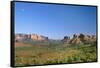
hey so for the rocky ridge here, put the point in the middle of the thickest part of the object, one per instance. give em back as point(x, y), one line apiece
point(33, 37)
point(76, 39)
point(80, 39)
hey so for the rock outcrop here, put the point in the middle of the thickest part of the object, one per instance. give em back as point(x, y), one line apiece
point(33, 37)
point(38, 37)
point(80, 39)
point(66, 39)
point(76, 39)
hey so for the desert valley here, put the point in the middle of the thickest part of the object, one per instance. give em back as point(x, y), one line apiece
point(34, 49)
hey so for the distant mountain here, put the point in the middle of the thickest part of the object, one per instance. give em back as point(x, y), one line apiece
point(80, 39)
point(76, 39)
point(29, 37)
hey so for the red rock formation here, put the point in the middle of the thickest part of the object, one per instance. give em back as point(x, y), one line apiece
point(33, 37)
point(81, 38)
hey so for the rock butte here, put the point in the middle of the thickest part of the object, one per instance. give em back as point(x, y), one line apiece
point(80, 39)
point(30, 36)
point(76, 39)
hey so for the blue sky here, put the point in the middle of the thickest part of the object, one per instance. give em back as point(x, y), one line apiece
point(54, 21)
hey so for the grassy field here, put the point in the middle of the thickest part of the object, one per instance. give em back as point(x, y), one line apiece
point(30, 54)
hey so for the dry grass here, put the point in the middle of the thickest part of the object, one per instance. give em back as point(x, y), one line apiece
point(28, 54)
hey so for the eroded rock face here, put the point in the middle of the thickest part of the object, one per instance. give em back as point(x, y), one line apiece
point(76, 39)
point(66, 39)
point(80, 39)
point(33, 37)
point(38, 37)
point(89, 39)
point(21, 36)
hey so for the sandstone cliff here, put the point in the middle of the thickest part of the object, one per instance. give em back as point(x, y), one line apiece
point(33, 37)
point(80, 39)
point(76, 39)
